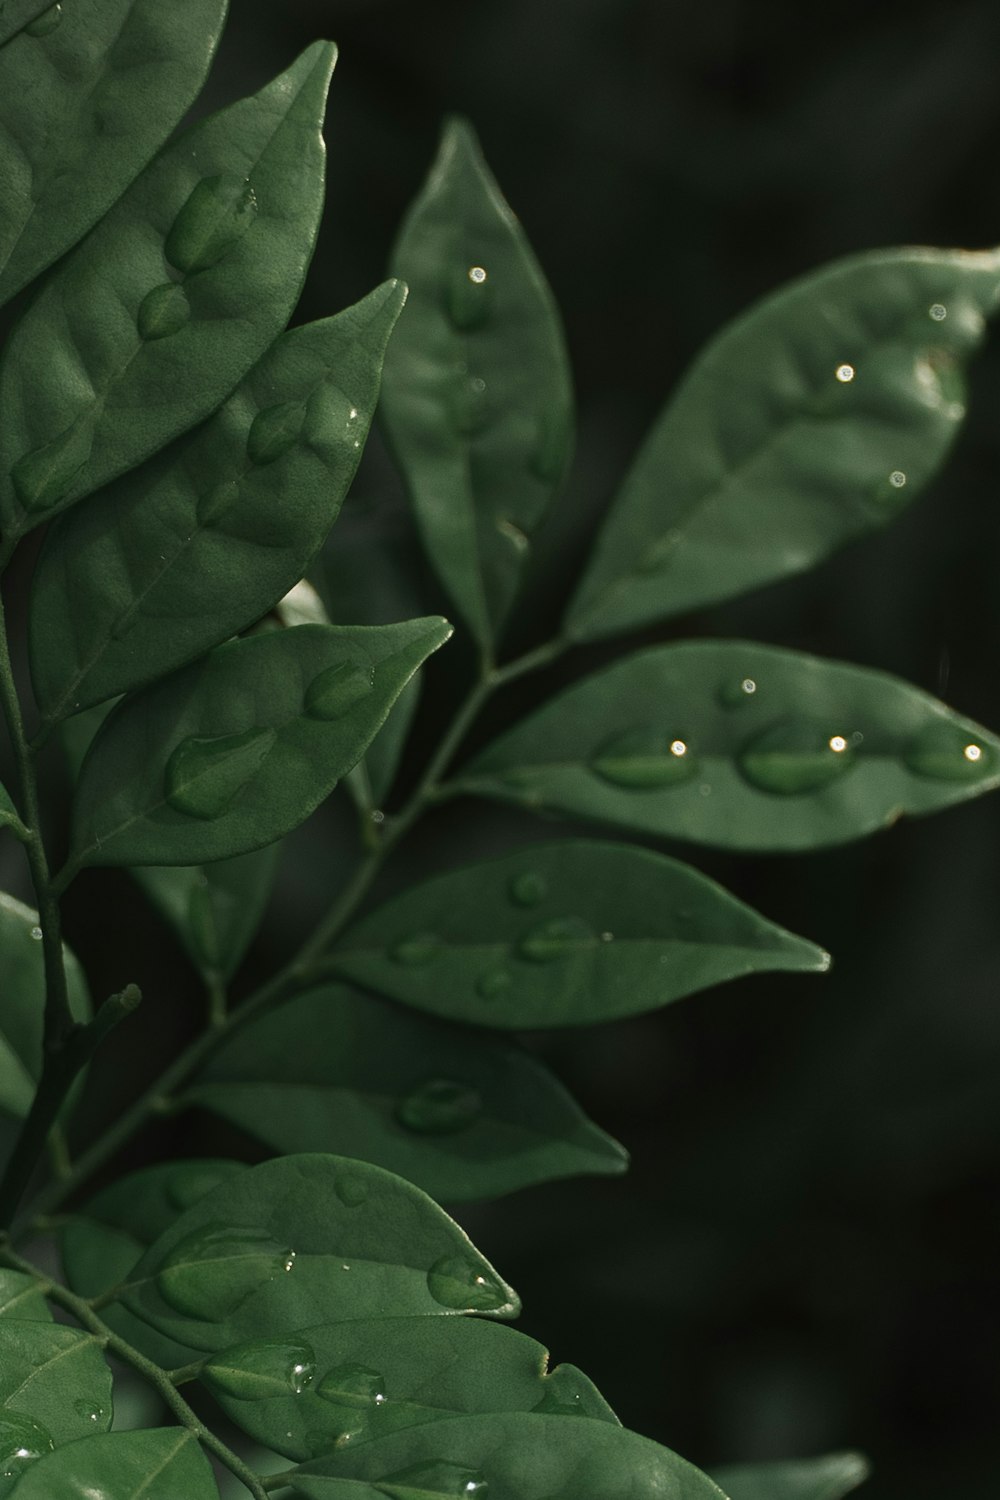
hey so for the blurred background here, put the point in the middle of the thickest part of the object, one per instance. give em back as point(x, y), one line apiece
point(804, 1255)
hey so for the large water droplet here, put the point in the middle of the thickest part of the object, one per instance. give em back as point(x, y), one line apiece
point(42, 477)
point(416, 950)
point(528, 888)
point(559, 938)
point(21, 1440)
point(644, 760)
point(203, 776)
point(440, 1106)
point(88, 1410)
point(263, 1369)
point(494, 982)
point(46, 22)
point(469, 296)
point(210, 1272)
point(355, 1386)
point(794, 756)
point(458, 1281)
point(435, 1477)
point(218, 212)
point(163, 311)
point(336, 690)
point(274, 430)
point(946, 752)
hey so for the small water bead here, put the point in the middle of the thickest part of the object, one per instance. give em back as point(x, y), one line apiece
point(274, 431)
point(22, 1439)
point(897, 479)
point(459, 1282)
point(36, 933)
point(528, 888)
point(477, 275)
point(845, 374)
point(204, 775)
point(738, 693)
point(644, 760)
point(946, 752)
point(263, 1369)
point(435, 1477)
point(417, 949)
point(162, 312)
point(559, 938)
point(493, 983)
point(470, 297)
point(355, 1386)
point(351, 1189)
point(441, 1106)
point(336, 690)
point(795, 756)
point(209, 1273)
point(45, 23)
point(553, 1406)
point(88, 1410)
point(217, 214)
point(937, 311)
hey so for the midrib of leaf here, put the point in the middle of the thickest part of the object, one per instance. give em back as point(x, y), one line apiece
point(154, 1474)
point(19, 1297)
point(41, 1370)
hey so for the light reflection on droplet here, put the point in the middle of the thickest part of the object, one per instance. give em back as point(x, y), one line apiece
point(678, 748)
point(845, 373)
point(838, 743)
point(897, 479)
point(973, 752)
point(477, 274)
point(748, 686)
point(36, 933)
point(938, 311)
point(377, 815)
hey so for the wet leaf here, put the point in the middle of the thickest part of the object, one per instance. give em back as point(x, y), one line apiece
point(158, 1464)
point(55, 1387)
point(20, 1297)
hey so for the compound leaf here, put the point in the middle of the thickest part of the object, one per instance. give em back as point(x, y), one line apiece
point(810, 420)
point(740, 745)
point(214, 909)
point(88, 92)
point(20, 1297)
point(157, 1464)
point(462, 1115)
point(22, 987)
point(477, 402)
point(234, 751)
point(55, 1387)
point(827, 1478)
point(312, 1392)
point(201, 542)
point(563, 934)
point(178, 291)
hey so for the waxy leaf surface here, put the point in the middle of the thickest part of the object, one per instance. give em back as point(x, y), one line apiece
point(477, 403)
point(319, 1388)
point(827, 1478)
point(22, 991)
point(214, 909)
point(562, 935)
point(812, 419)
point(462, 1115)
point(20, 1297)
point(55, 1387)
point(159, 1464)
point(740, 745)
point(87, 94)
point(201, 542)
point(164, 308)
point(304, 1240)
point(234, 751)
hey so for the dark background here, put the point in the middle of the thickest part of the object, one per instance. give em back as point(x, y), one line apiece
point(804, 1254)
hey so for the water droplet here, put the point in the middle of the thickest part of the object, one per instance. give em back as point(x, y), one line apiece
point(555, 1406)
point(493, 983)
point(189, 1183)
point(262, 1369)
point(477, 274)
point(377, 815)
point(88, 1410)
point(946, 752)
point(845, 374)
point(351, 1189)
point(212, 506)
point(555, 939)
point(355, 1386)
point(163, 311)
point(607, 937)
point(938, 311)
point(21, 1440)
point(416, 950)
point(897, 479)
point(795, 755)
point(218, 212)
point(528, 888)
point(468, 406)
point(46, 22)
point(204, 775)
point(36, 933)
point(336, 690)
point(273, 431)
point(644, 760)
point(459, 1282)
point(42, 477)
point(735, 694)
point(209, 1273)
point(470, 297)
point(434, 1477)
point(439, 1107)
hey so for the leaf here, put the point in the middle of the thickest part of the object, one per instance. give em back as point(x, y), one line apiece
point(16, 15)
point(234, 751)
point(20, 1297)
point(304, 1240)
point(178, 291)
point(739, 745)
point(510, 1456)
point(462, 1115)
point(22, 987)
point(810, 420)
point(477, 397)
point(563, 934)
point(160, 1464)
point(203, 541)
point(317, 1389)
point(55, 1387)
point(827, 1478)
point(8, 812)
point(214, 909)
point(88, 93)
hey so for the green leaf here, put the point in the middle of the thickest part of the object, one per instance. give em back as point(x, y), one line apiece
point(827, 1478)
point(740, 745)
point(563, 934)
point(22, 986)
point(8, 812)
point(214, 909)
point(477, 402)
point(462, 1115)
point(319, 1388)
point(55, 1387)
point(511, 1456)
point(20, 1297)
point(15, 15)
point(304, 1240)
point(200, 543)
point(88, 93)
point(161, 1464)
point(234, 751)
point(178, 291)
point(810, 420)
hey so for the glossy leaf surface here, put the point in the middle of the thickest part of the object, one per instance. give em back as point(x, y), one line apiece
point(115, 356)
point(462, 1115)
point(158, 1464)
point(303, 1240)
point(477, 403)
point(512, 1456)
point(55, 1387)
point(234, 751)
point(563, 934)
point(84, 104)
point(22, 988)
point(740, 745)
point(20, 1297)
point(202, 542)
point(827, 1478)
point(321, 1388)
point(812, 419)
point(214, 909)
point(15, 15)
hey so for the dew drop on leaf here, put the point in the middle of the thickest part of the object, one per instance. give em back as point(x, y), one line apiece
point(352, 1190)
point(644, 760)
point(218, 212)
point(529, 888)
point(21, 1440)
point(203, 776)
point(556, 939)
point(336, 690)
point(736, 694)
point(263, 1369)
point(493, 983)
point(416, 950)
point(469, 297)
point(273, 431)
point(212, 1271)
point(46, 22)
point(432, 1478)
point(354, 1386)
point(457, 1281)
point(554, 1407)
point(440, 1106)
point(945, 752)
point(87, 1410)
point(795, 756)
point(163, 311)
